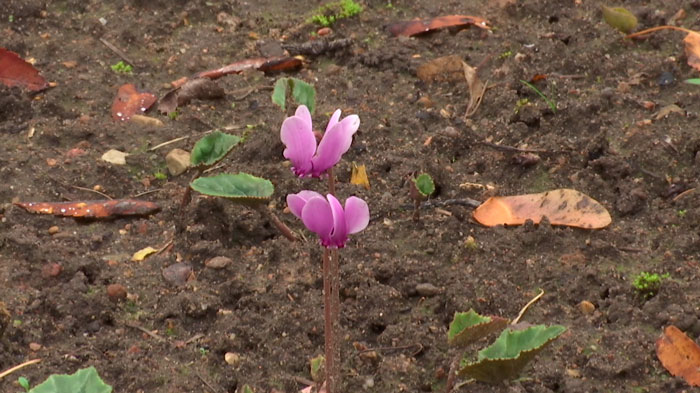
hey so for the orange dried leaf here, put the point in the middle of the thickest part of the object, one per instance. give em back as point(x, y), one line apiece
point(14, 71)
point(692, 49)
point(679, 354)
point(561, 207)
point(129, 101)
point(92, 209)
point(418, 26)
point(359, 176)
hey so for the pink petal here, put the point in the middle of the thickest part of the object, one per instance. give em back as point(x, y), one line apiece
point(356, 214)
point(334, 120)
point(334, 144)
point(317, 216)
point(340, 233)
point(296, 202)
point(303, 113)
point(297, 136)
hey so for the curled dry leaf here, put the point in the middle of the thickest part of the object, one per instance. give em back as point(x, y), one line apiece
point(264, 64)
point(417, 26)
point(92, 209)
point(199, 88)
point(561, 207)
point(358, 176)
point(14, 71)
point(477, 88)
point(129, 101)
point(679, 354)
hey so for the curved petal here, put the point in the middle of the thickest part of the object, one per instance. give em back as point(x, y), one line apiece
point(317, 216)
point(303, 113)
point(334, 120)
point(334, 144)
point(296, 202)
point(340, 233)
point(297, 136)
point(356, 214)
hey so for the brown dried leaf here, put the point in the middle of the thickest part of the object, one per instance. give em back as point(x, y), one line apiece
point(477, 88)
point(264, 64)
point(14, 71)
point(92, 209)
point(418, 26)
point(200, 88)
point(679, 355)
point(692, 49)
point(358, 176)
point(561, 207)
point(129, 101)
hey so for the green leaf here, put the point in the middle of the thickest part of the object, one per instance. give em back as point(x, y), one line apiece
point(304, 94)
point(213, 148)
point(242, 187)
point(247, 389)
point(619, 18)
point(317, 368)
point(279, 94)
point(424, 184)
point(23, 382)
point(508, 355)
point(468, 327)
point(693, 81)
point(83, 381)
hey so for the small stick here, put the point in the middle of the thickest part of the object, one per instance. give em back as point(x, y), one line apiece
point(182, 138)
point(117, 51)
point(140, 194)
point(17, 367)
point(284, 229)
point(194, 338)
point(524, 309)
point(452, 376)
point(91, 190)
point(143, 329)
point(201, 378)
point(515, 149)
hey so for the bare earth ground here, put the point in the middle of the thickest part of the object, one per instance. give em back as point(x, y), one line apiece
point(266, 306)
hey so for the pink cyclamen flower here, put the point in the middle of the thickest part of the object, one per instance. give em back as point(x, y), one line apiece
point(300, 142)
point(327, 218)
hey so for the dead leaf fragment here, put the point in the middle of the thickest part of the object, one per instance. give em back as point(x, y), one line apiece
point(477, 88)
point(92, 209)
point(679, 355)
point(14, 71)
point(264, 64)
point(199, 88)
point(667, 110)
point(115, 157)
point(562, 207)
point(141, 254)
point(418, 26)
point(359, 176)
point(129, 101)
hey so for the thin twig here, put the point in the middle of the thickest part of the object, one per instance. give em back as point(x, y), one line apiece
point(284, 229)
point(524, 309)
point(90, 190)
point(182, 138)
point(452, 376)
point(147, 192)
point(117, 51)
point(201, 378)
point(194, 338)
point(166, 245)
point(143, 329)
point(17, 367)
point(514, 149)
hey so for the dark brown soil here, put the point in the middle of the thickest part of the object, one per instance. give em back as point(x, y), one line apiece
point(266, 305)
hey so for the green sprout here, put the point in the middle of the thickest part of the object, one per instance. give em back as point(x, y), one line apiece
point(552, 104)
point(692, 81)
point(174, 114)
point(328, 14)
point(293, 88)
point(122, 68)
point(11, 18)
point(86, 380)
point(203, 351)
point(682, 213)
point(160, 175)
point(648, 284)
point(506, 54)
point(24, 383)
point(422, 186)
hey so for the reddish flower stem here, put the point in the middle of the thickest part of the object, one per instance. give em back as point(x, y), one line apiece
point(329, 332)
point(331, 182)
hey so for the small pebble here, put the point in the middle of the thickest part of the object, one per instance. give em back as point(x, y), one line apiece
point(217, 262)
point(34, 346)
point(232, 358)
point(116, 292)
point(52, 269)
point(324, 31)
point(178, 273)
point(586, 307)
point(427, 289)
point(53, 230)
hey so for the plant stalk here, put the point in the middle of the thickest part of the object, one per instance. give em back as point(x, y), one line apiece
point(282, 227)
point(329, 336)
point(335, 314)
point(331, 182)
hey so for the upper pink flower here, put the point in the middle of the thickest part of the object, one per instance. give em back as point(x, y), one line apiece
point(298, 137)
point(327, 218)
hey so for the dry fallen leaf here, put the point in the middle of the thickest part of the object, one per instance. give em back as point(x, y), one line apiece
point(561, 207)
point(359, 176)
point(14, 71)
point(418, 26)
point(679, 355)
point(92, 209)
point(199, 88)
point(267, 65)
point(477, 88)
point(141, 254)
point(129, 101)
